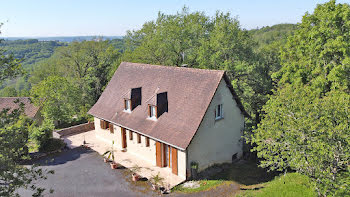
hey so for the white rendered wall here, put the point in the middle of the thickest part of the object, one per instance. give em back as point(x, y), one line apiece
point(217, 140)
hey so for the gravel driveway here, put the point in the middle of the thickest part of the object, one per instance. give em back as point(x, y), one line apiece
point(82, 172)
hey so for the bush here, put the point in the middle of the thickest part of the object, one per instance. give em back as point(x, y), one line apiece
point(52, 144)
point(41, 135)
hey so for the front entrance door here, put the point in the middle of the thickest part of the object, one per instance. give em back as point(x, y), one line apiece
point(166, 156)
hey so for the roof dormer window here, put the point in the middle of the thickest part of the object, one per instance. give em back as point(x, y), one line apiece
point(127, 105)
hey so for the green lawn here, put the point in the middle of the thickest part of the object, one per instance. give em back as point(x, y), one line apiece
point(204, 185)
point(289, 185)
point(255, 181)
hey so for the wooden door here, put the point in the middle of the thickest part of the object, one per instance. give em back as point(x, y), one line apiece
point(159, 154)
point(174, 160)
point(124, 145)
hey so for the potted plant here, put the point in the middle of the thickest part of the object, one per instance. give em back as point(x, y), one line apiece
point(135, 169)
point(156, 181)
point(108, 155)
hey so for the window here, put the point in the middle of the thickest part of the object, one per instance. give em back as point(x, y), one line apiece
point(130, 135)
point(138, 138)
point(127, 105)
point(147, 141)
point(152, 112)
point(218, 112)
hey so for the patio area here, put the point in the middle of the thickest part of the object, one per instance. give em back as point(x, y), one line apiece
point(126, 159)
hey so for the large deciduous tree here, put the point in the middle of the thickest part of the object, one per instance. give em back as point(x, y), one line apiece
point(88, 64)
point(306, 122)
point(59, 99)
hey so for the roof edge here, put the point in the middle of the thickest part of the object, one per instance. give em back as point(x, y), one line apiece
point(235, 96)
point(117, 124)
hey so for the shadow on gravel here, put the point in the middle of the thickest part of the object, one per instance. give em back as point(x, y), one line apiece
point(61, 157)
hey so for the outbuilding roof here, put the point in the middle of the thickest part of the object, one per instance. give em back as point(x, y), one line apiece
point(189, 93)
point(13, 103)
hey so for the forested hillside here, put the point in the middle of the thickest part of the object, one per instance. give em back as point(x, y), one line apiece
point(268, 35)
point(30, 51)
point(33, 54)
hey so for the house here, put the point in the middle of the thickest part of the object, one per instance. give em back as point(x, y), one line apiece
point(30, 110)
point(171, 116)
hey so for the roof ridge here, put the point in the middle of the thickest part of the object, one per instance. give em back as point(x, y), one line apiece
point(174, 67)
point(15, 97)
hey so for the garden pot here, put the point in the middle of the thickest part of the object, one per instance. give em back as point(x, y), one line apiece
point(114, 165)
point(194, 173)
point(155, 187)
point(135, 177)
point(105, 160)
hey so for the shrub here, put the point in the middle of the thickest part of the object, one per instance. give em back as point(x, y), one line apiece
point(42, 134)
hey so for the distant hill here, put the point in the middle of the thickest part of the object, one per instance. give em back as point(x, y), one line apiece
point(269, 34)
point(64, 38)
point(31, 50)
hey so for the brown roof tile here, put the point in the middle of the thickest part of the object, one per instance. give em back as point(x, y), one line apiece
point(9, 102)
point(189, 90)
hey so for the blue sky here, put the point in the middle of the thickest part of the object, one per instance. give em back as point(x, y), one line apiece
point(113, 18)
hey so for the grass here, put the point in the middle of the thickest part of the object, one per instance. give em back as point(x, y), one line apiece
point(204, 186)
point(289, 185)
point(253, 181)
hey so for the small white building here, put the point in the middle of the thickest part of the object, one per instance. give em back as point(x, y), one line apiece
point(171, 116)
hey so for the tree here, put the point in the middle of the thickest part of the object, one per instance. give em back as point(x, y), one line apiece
point(14, 150)
point(88, 64)
point(59, 99)
point(306, 122)
point(311, 135)
point(8, 91)
point(319, 52)
point(170, 40)
point(13, 142)
point(198, 41)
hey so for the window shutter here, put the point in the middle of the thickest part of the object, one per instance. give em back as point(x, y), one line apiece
point(101, 124)
point(149, 111)
point(111, 128)
point(130, 135)
point(156, 109)
point(147, 141)
point(138, 138)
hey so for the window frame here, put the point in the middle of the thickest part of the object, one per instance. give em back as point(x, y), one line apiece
point(219, 112)
point(152, 115)
point(127, 105)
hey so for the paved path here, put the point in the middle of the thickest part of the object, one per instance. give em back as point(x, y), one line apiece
point(82, 172)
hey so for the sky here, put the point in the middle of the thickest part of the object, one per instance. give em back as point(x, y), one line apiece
point(41, 18)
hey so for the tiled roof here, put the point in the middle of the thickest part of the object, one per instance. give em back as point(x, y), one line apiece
point(9, 102)
point(189, 93)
